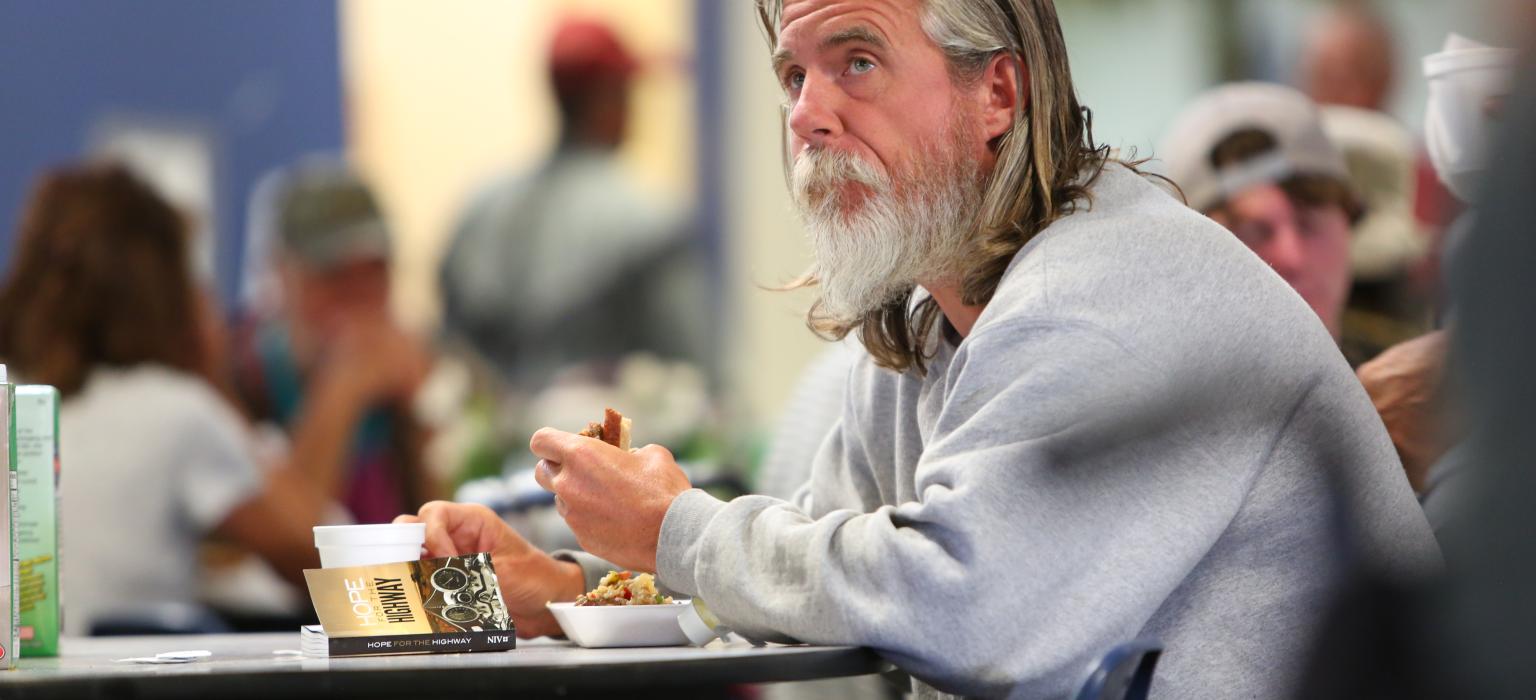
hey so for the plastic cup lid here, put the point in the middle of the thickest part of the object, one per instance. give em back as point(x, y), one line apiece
point(370, 535)
point(1439, 64)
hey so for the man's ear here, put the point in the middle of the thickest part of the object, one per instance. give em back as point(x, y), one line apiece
point(1004, 89)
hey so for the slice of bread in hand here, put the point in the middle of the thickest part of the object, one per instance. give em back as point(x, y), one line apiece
point(614, 429)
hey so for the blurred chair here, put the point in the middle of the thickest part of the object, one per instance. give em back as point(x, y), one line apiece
point(159, 618)
point(1125, 673)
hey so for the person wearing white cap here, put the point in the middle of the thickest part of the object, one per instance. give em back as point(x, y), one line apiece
point(1468, 83)
point(1254, 157)
point(329, 366)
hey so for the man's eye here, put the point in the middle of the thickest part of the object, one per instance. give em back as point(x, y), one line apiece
point(861, 65)
point(1252, 234)
point(794, 81)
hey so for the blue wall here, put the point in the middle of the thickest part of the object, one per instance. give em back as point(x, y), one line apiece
point(261, 78)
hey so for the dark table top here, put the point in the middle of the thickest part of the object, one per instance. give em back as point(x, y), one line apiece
point(245, 666)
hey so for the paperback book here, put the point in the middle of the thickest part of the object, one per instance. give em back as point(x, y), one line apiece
point(452, 604)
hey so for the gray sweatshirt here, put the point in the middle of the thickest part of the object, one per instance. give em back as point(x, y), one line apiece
point(1144, 435)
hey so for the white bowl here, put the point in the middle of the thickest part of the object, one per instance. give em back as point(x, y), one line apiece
point(622, 625)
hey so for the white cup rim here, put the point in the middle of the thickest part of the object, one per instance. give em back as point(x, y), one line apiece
point(370, 535)
point(1444, 63)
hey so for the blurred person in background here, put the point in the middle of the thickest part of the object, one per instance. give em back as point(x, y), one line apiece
point(1350, 58)
point(1469, 84)
point(100, 302)
point(1468, 634)
point(562, 280)
point(573, 263)
point(1388, 301)
point(1254, 158)
point(1348, 67)
point(331, 367)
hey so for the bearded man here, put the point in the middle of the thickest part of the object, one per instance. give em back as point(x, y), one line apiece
point(1086, 413)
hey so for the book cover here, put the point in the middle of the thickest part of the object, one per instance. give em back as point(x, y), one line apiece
point(37, 519)
point(429, 606)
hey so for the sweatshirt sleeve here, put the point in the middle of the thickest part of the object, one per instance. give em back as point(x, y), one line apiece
point(1059, 503)
point(593, 568)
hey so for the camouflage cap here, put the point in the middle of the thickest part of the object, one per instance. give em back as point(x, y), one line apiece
point(326, 215)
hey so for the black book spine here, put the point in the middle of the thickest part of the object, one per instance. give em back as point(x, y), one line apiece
point(440, 643)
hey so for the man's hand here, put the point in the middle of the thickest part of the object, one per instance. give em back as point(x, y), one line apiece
point(1405, 385)
point(613, 500)
point(376, 362)
point(529, 578)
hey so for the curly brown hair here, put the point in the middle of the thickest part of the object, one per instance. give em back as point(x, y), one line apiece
point(1046, 164)
point(99, 277)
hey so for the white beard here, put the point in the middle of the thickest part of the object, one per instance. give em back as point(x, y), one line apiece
point(899, 235)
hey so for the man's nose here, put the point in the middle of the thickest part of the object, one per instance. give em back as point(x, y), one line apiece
point(1286, 252)
point(814, 116)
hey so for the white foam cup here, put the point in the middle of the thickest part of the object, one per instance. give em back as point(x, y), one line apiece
point(1461, 80)
point(364, 545)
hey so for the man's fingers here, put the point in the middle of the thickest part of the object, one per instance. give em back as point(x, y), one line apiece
point(535, 624)
point(438, 515)
point(490, 530)
point(545, 473)
point(655, 451)
point(554, 445)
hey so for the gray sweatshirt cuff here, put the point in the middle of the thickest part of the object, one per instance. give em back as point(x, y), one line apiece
point(593, 569)
point(682, 532)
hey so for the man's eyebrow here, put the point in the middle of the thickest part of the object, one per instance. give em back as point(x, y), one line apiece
point(856, 34)
point(781, 56)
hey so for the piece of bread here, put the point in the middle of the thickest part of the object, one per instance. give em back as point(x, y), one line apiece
point(614, 429)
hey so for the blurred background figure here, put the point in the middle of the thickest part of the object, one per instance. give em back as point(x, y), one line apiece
point(1467, 635)
point(99, 301)
point(1350, 58)
point(571, 286)
point(1255, 159)
point(571, 264)
point(1349, 68)
point(1390, 298)
point(328, 365)
point(1409, 383)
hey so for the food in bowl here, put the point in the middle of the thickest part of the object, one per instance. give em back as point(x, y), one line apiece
point(624, 588)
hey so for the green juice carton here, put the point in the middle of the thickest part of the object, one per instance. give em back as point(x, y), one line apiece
point(9, 622)
point(36, 421)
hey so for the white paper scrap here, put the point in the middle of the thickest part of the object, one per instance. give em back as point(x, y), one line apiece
point(169, 657)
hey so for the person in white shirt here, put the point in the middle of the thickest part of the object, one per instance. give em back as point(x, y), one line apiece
point(100, 302)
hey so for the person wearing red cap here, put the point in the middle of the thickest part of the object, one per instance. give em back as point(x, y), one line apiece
point(590, 73)
point(572, 263)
